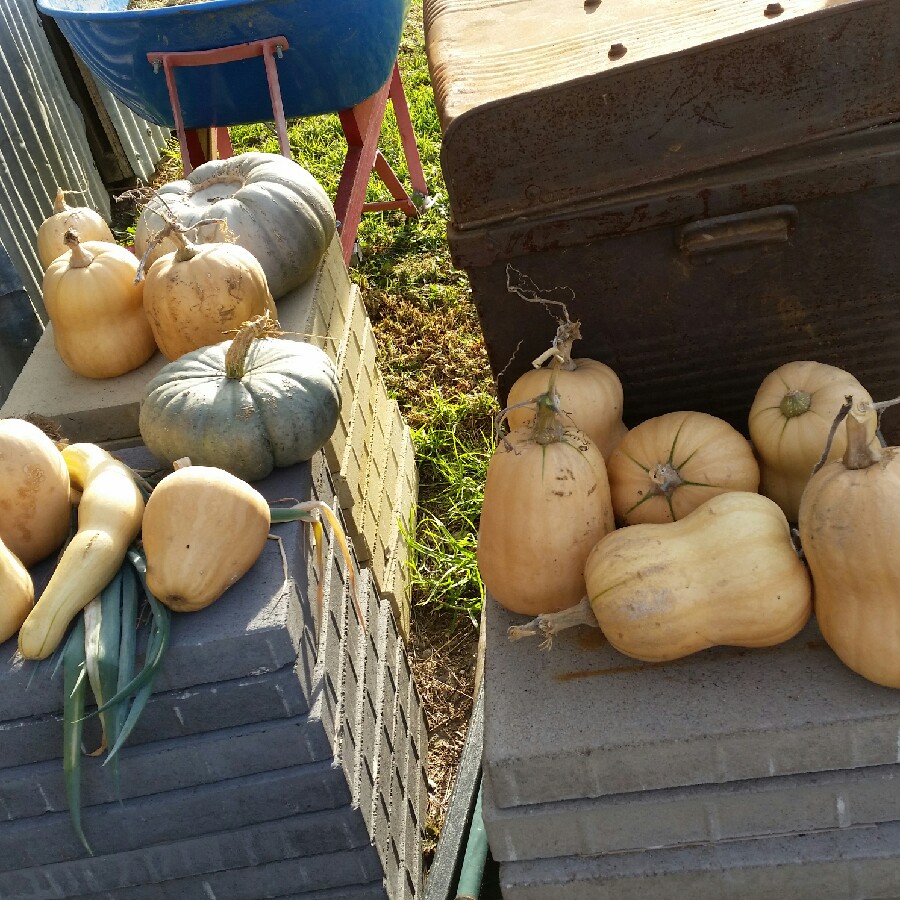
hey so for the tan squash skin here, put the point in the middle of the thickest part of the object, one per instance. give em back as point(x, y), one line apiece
point(545, 506)
point(16, 593)
point(97, 311)
point(109, 519)
point(726, 574)
point(201, 294)
point(665, 467)
point(789, 422)
point(34, 492)
point(203, 530)
point(90, 225)
point(590, 394)
point(850, 532)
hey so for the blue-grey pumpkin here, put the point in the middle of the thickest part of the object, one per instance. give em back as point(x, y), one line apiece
point(246, 405)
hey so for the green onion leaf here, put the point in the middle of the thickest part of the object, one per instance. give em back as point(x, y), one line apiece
point(142, 685)
point(74, 686)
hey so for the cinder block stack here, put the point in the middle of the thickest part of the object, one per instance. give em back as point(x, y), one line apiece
point(281, 754)
point(729, 774)
point(371, 453)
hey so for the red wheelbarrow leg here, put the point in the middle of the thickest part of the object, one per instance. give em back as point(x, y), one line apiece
point(207, 143)
point(362, 129)
point(407, 135)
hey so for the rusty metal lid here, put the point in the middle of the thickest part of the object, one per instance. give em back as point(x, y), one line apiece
point(553, 103)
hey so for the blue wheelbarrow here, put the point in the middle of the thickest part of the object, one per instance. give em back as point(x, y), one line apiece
point(216, 63)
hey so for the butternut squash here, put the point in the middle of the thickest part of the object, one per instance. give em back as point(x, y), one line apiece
point(789, 423)
point(668, 465)
point(849, 527)
point(203, 529)
point(546, 503)
point(34, 492)
point(727, 573)
point(16, 593)
point(109, 519)
point(590, 392)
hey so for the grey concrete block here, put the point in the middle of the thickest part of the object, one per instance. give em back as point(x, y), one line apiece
point(295, 837)
point(584, 721)
point(173, 816)
point(340, 873)
point(372, 891)
point(378, 638)
point(850, 864)
point(241, 701)
point(355, 723)
point(160, 766)
point(785, 804)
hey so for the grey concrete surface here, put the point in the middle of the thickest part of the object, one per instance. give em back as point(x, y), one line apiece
point(581, 720)
point(341, 873)
point(644, 820)
point(159, 766)
point(174, 815)
point(850, 864)
point(294, 837)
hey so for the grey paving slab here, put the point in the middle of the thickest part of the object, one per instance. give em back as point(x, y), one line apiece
point(173, 816)
point(254, 627)
point(850, 864)
point(786, 804)
point(341, 873)
point(295, 837)
point(32, 790)
point(241, 701)
point(581, 720)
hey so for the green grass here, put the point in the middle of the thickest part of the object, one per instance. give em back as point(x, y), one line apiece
point(430, 345)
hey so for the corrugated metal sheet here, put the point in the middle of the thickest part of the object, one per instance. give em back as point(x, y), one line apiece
point(140, 140)
point(43, 141)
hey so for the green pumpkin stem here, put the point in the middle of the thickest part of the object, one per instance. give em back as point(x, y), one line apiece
point(795, 403)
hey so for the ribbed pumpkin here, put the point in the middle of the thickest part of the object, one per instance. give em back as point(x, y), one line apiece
point(546, 503)
point(273, 207)
point(789, 423)
point(51, 236)
point(97, 311)
point(727, 573)
point(246, 405)
point(203, 529)
point(196, 295)
point(850, 530)
point(35, 513)
point(590, 392)
point(665, 467)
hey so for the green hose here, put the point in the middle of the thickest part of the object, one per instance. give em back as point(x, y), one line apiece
point(475, 857)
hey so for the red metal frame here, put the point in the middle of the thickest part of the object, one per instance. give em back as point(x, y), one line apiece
point(361, 125)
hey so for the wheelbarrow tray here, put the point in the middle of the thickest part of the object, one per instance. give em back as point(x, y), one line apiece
point(339, 52)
